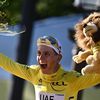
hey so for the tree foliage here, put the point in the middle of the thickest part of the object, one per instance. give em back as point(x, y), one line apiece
point(47, 8)
point(10, 10)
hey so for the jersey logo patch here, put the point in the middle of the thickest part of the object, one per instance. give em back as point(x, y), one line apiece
point(50, 96)
point(58, 86)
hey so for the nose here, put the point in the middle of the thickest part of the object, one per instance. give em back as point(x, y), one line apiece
point(42, 58)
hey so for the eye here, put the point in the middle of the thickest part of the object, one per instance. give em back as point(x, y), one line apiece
point(47, 54)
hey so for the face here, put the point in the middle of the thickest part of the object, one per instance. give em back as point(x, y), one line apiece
point(48, 59)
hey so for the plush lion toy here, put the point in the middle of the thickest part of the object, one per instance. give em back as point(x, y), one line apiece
point(87, 37)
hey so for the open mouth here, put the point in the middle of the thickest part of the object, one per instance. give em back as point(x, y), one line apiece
point(43, 66)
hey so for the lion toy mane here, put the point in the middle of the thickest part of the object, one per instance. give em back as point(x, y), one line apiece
point(87, 37)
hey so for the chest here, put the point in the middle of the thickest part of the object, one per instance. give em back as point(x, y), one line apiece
point(50, 90)
point(51, 86)
point(57, 90)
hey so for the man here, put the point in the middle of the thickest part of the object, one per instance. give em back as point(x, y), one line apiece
point(51, 81)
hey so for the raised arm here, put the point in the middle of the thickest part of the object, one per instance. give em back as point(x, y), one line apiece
point(85, 81)
point(20, 70)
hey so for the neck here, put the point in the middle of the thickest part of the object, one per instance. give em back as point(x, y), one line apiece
point(56, 68)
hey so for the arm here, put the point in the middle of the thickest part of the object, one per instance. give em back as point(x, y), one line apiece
point(86, 81)
point(20, 70)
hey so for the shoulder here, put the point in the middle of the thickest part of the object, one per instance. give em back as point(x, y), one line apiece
point(73, 73)
point(34, 68)
point(70, 73)
point(70, 76)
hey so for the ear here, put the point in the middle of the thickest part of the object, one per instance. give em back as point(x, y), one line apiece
point(59, 57)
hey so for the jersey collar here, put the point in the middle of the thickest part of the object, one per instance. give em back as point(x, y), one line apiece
point(52, 77)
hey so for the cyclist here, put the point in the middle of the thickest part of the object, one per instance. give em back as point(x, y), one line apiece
point(51, 81)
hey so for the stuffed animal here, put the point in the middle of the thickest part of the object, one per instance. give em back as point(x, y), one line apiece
point(87, 37)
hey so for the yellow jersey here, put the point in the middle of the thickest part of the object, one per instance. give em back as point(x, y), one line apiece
point(96, 50)
point(62, 85)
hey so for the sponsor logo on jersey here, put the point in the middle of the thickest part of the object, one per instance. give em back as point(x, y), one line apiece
point(40, 81)
point(71, 98)
point(58, 84)
point(50, 96)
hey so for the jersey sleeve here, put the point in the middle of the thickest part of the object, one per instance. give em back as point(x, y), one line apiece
point(20, 70)
point(85, 81)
